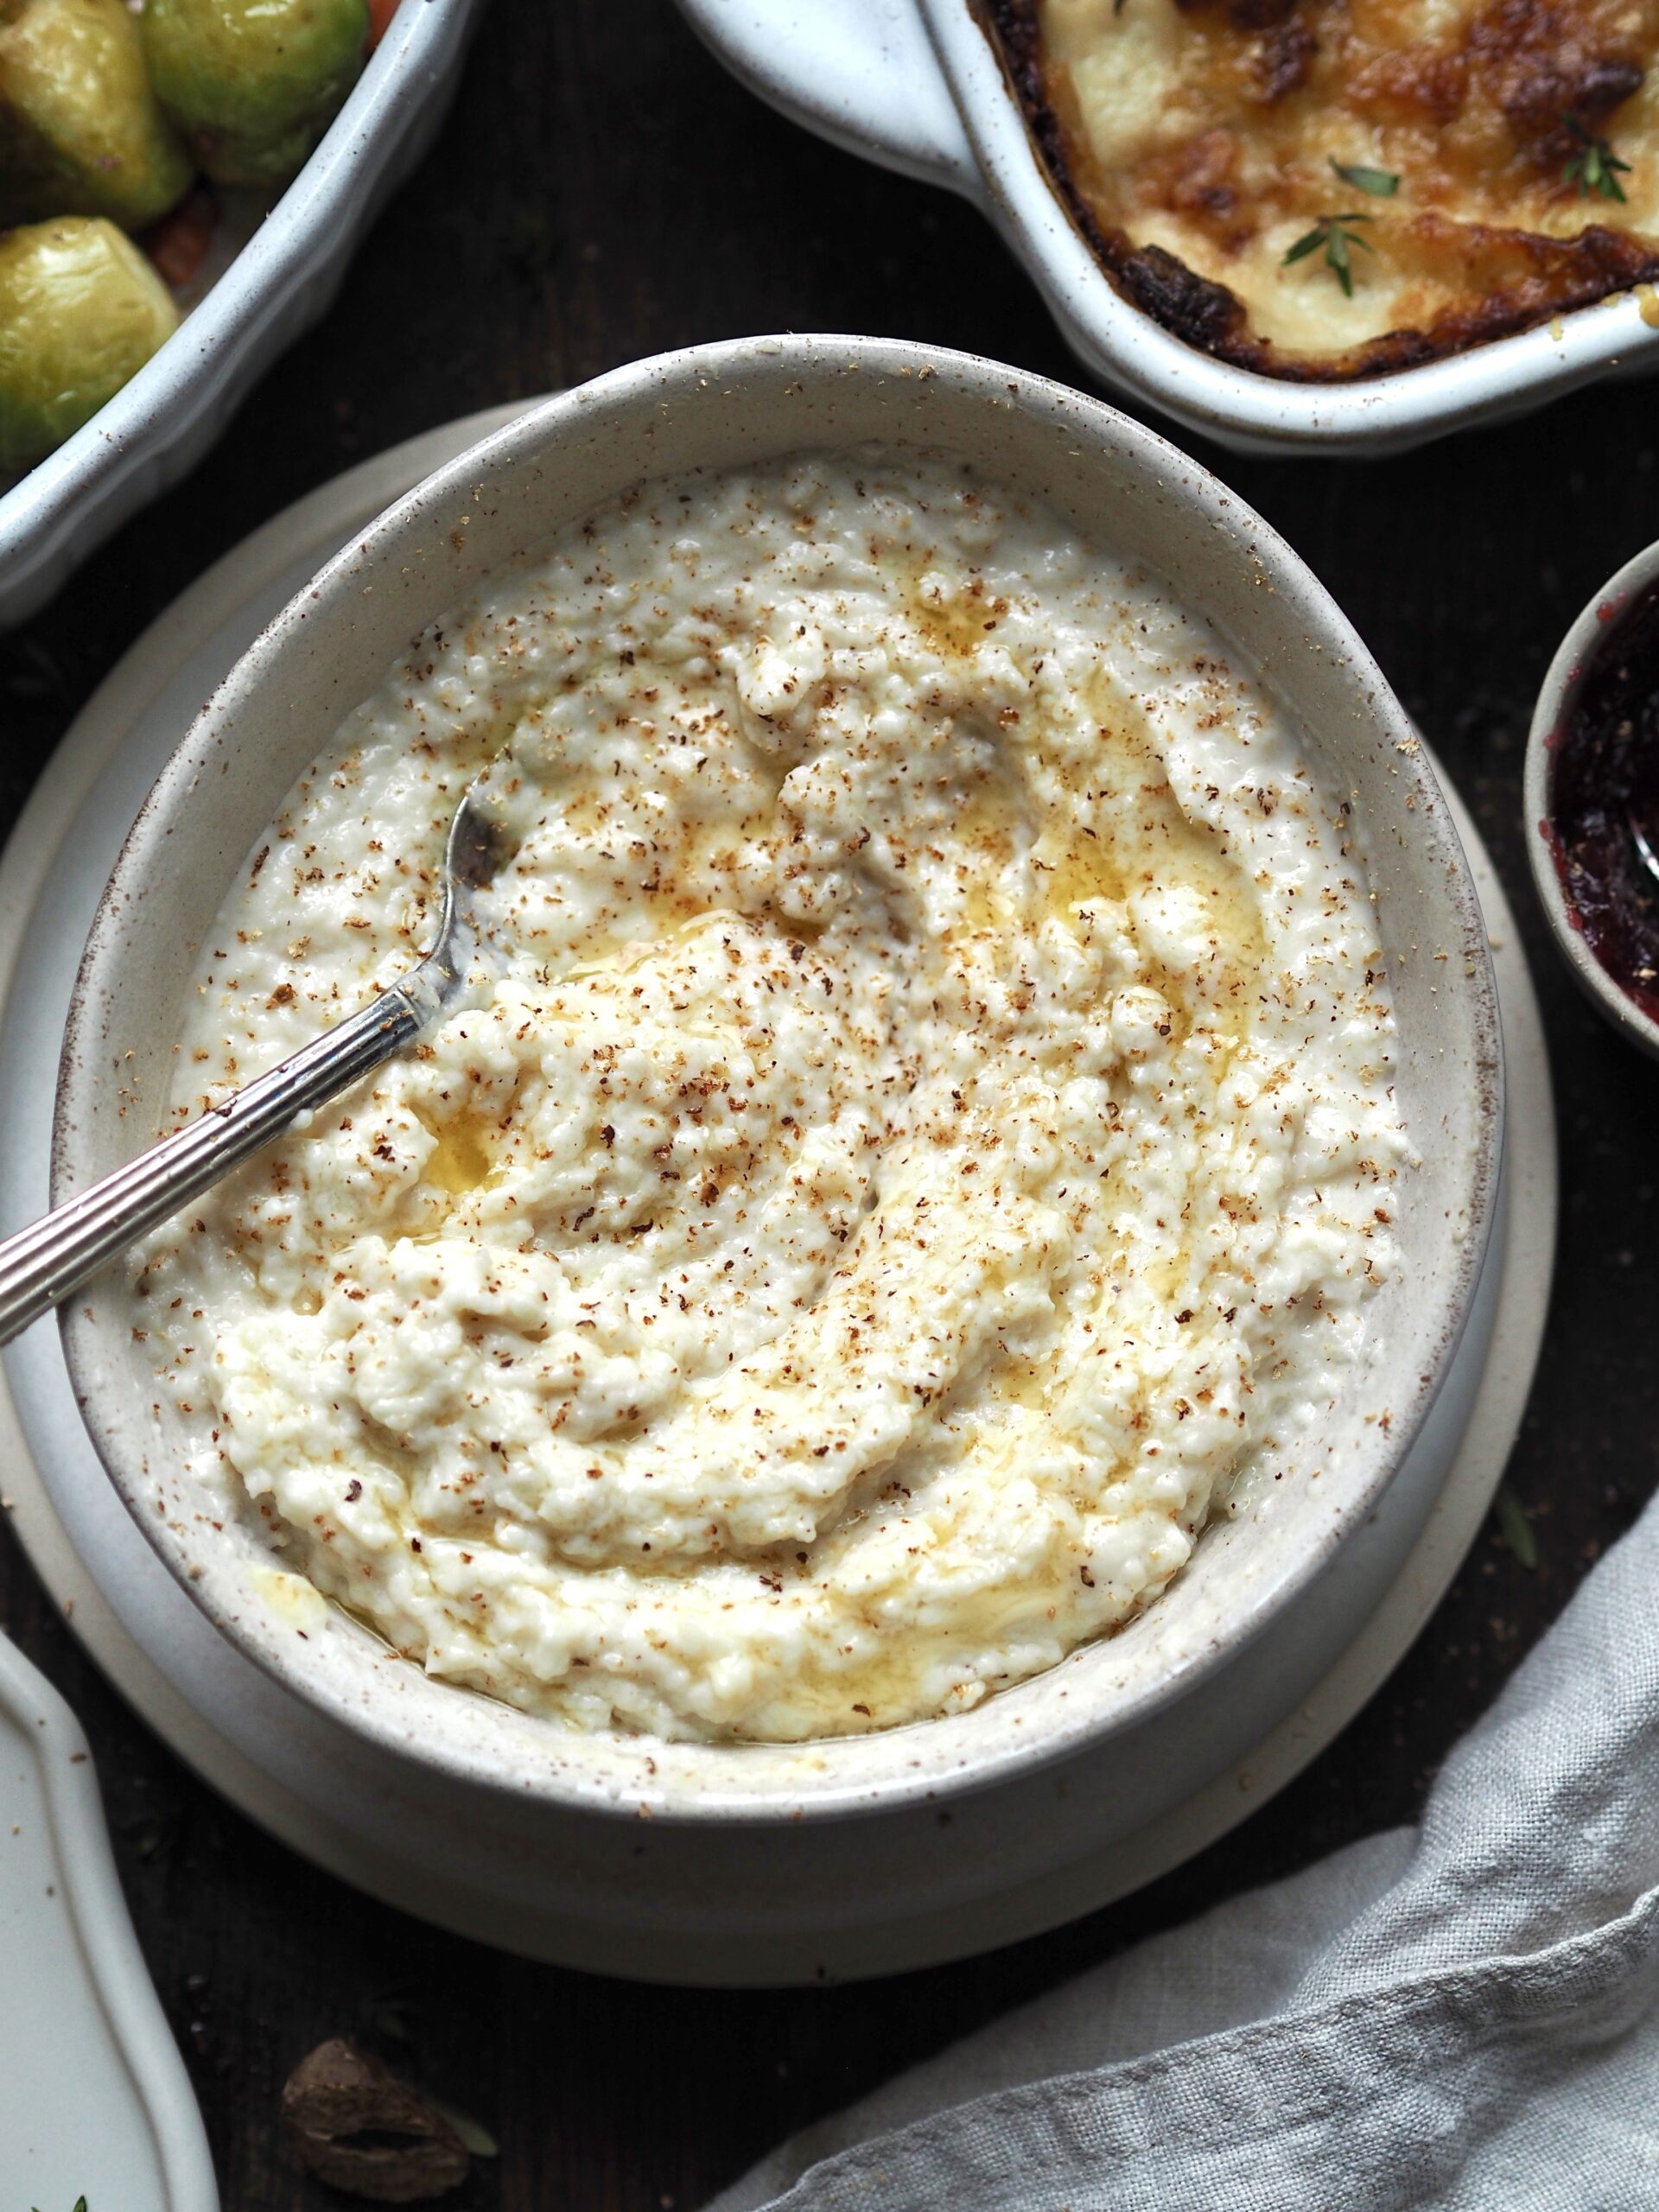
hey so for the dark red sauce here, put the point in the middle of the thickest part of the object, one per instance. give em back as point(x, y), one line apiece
point(1603, 788)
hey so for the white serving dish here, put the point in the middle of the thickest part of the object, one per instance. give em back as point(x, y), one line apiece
point(708, 407)
point(158, 426)
point(666, 1900)
point(94, 2099)
point(916, 86)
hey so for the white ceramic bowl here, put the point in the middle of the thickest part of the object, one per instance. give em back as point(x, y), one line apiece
point(159, 425)
point(708, 407)
point(1585, 641)
point(916, 86)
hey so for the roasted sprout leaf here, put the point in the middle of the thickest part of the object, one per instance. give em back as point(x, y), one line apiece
point(1515, 1527)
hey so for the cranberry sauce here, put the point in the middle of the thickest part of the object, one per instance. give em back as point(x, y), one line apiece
point(1604, 794)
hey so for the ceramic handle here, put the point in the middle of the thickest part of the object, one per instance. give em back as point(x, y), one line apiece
point(43, 1264)
point(859, 72)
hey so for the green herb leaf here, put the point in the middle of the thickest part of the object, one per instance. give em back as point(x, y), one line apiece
point(1382, 184)
point(1515, 1527)
point(1332, 232)
point(1595, 168)
point(1304, 246)
point(477, 2137)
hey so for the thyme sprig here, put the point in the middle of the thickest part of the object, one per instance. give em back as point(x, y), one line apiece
point(1382, 184)
point(1595, 168)
point(1333, 233)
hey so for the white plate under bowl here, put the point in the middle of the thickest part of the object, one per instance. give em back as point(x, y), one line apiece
point(916, 86)
point(833, 1900)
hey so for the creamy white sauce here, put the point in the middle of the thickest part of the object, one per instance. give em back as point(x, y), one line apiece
point(928, 1119)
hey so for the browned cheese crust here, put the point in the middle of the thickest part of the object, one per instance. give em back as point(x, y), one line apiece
point(1192, 142)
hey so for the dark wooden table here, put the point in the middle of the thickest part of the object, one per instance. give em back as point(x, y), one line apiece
point(601, 192)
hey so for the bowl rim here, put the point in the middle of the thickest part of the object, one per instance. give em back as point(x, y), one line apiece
point(828, 1785)
point(918, 86)
point(1587, 633)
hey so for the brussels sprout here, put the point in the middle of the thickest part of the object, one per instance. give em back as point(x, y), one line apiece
point(80, 130)
point(81, 310)
point(254, 82)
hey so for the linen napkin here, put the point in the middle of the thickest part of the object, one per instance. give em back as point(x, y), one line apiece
point(1465, 2015)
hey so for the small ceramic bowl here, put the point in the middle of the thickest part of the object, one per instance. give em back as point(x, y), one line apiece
point(1584, 642)
point(713, 407)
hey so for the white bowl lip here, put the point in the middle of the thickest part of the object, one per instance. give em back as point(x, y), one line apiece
point(997, 167)
point(1584, 640)
point(58, 512)
point(825, 1792)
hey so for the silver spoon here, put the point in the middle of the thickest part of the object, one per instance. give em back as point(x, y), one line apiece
point(48, 1262)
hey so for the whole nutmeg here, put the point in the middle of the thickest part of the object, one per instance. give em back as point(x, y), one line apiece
point(360, 2129)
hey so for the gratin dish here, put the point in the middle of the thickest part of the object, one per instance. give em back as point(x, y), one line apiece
point(160, 425)
point(919, 87)
point(711, 407)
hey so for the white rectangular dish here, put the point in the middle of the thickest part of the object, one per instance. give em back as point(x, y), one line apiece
point(158, 426)
point(95, 2103)
point(916, 86)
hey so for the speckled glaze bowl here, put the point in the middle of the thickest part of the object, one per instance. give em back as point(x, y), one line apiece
point(710, 407)
point(1577, 649)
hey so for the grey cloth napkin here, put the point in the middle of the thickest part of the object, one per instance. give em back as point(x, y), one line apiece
point(1463, 2015)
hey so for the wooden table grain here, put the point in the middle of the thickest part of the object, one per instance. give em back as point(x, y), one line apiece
point(602, 191)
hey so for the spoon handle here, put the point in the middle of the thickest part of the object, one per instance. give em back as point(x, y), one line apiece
point(43, 1264)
